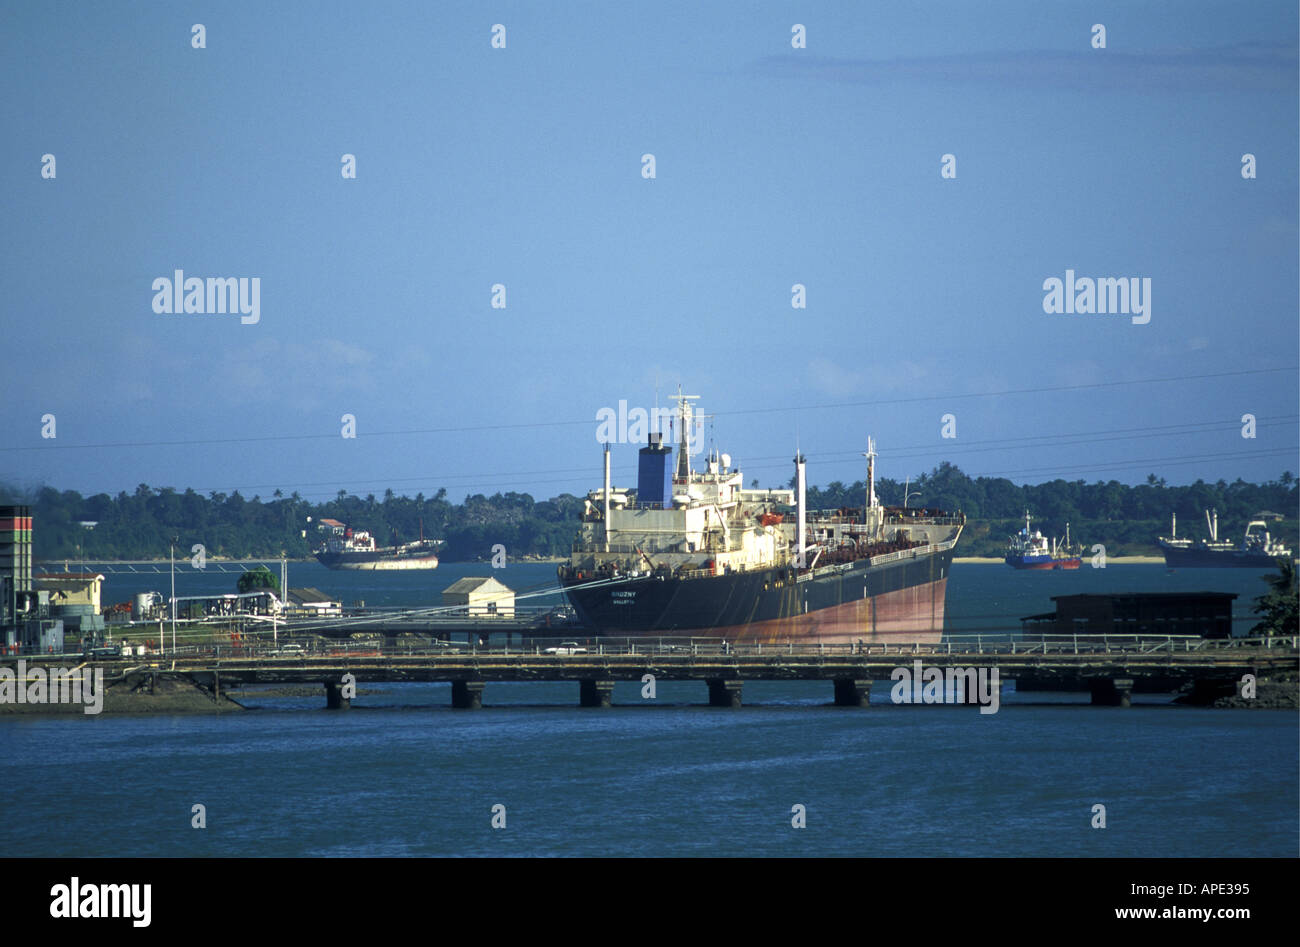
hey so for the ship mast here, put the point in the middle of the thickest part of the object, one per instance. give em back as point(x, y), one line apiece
point(871, 500)
point(685, 413)
point(801, 502)
point(605, 522)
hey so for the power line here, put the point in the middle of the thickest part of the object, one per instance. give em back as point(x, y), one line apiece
point(455, 480)
point(1010, 391)
point(741, 411)
point(1178, 460)
point(1083, 437)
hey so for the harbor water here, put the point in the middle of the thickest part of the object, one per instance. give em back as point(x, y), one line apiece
point(402, 773)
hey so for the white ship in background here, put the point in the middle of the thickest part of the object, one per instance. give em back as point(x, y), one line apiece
point(346, 548)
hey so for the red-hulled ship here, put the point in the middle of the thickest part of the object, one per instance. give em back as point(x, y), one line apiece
point(692, 552)
point(1031, 550)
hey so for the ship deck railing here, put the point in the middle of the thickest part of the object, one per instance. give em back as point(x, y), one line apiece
point(834, 517)
point(627, 549)
point(806, 575)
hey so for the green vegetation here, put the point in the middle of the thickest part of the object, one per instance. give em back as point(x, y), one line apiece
point(140, 525)
point(1126, 519)
point(1280, 608)
point(259, 578)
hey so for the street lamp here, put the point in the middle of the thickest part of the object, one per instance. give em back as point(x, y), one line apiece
point(172, 551)
point(908, 493)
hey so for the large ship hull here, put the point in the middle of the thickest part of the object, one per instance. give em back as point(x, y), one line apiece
point(375, 562)
point(901, 600)
point(1043, 563)
point(1194, 558)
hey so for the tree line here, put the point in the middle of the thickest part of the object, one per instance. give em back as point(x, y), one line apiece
point(145, 523)
point(1126, 519)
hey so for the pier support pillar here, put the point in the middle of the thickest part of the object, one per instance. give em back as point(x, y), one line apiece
point(1111, 691)
point(467, 695)
point(723, 693)
point(852, 693)
point(334, 699)
point(596, 693)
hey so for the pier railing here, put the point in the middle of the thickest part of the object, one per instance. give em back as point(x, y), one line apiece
point(305, 648)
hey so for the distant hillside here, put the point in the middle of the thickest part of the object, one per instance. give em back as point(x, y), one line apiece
point(139, 525)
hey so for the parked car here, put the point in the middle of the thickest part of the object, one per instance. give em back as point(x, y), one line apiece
point(567, 647)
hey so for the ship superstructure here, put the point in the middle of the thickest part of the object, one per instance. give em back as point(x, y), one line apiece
point(1030, 549)
point(1257, 549)
point(694, 552)
point(346, 548)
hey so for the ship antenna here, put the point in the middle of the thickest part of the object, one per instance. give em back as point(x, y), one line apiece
point(658, 420)
point(684, 414)
point(870, 454)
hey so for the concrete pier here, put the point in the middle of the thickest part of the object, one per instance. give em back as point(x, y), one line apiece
point(467, 695)
point(596, 693)
point(850, 692)
point(1111, 691)
point(334, 699)
point(724, 693)
point(1111, 670)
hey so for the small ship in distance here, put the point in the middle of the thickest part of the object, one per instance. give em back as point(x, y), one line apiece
point(356, 550)
point(1031, 550)
point(1257, 550)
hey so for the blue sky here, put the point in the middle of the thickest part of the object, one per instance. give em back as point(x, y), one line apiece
point(522, 166)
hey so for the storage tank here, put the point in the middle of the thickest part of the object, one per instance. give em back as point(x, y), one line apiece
point(143, 603)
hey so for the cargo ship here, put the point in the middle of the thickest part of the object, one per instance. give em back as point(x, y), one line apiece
point(346, 548)
point(1031, 550)
point(693, 553)
point(1258, 550)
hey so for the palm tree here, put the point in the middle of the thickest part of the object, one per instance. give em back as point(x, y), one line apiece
point(1280, 608)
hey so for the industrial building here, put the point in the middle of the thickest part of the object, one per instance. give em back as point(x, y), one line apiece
point(26, 623)
point(313, 602)
point(73, 597)
point(1204, 614)
point(480, 597)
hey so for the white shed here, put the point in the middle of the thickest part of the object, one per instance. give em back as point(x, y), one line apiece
point(481, 597)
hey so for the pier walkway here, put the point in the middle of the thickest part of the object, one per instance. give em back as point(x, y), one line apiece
point(1108, 666)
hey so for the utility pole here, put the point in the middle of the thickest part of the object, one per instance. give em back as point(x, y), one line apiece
point(172, 555)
